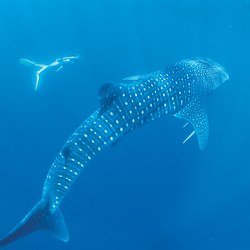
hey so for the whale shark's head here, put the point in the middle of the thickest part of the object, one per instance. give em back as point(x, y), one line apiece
point(215, 71)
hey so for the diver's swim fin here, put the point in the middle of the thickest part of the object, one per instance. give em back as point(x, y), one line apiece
point(39, 218)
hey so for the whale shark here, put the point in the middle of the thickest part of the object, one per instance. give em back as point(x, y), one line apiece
point(178, 89)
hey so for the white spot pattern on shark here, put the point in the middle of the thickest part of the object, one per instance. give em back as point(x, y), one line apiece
point(176, 90)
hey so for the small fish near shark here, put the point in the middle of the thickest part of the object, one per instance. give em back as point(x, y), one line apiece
point(178, 90)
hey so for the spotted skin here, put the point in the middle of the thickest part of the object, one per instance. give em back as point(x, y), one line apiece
point(177, 90)
point(129, 106)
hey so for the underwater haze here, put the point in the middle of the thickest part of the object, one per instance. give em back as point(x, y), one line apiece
point(150, 191)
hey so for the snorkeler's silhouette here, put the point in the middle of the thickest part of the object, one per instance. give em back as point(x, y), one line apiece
point(57, 65)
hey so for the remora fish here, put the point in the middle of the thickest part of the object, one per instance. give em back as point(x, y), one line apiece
point(177, 90)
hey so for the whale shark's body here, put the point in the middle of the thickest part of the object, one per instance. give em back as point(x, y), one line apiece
point(177, 90)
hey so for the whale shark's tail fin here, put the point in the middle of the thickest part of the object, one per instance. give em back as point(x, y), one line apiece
point(39, 218)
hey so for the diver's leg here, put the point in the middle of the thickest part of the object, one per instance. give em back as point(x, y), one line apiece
point(27, 62)
point(38, 75)
point(31, 63)
point(37, 80)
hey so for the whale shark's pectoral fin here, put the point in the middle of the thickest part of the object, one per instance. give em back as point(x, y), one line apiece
point(196, 114)
point(107, 95)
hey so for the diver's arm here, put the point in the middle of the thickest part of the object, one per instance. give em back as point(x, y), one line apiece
point(59, 68)
point(54, 64)
point(70, 59)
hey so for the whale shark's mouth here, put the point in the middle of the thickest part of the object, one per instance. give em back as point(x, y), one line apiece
point(215, 70)
point(221, 70)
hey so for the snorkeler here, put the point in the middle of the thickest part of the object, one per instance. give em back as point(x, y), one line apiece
point(57, 65)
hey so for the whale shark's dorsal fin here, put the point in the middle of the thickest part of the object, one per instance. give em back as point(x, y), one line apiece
point(107, 95)
point(136, 77)
point(196, 114)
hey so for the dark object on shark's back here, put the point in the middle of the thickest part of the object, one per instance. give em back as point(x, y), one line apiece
point(177, 90)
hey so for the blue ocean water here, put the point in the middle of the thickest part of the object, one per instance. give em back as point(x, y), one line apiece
point(148, 192)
